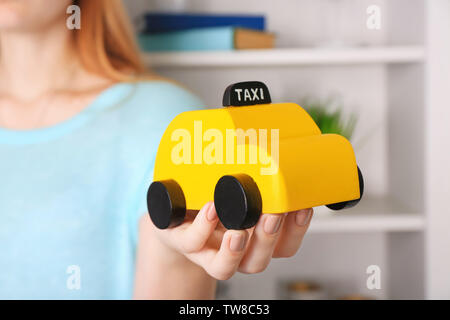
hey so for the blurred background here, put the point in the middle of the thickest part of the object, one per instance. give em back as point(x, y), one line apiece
point(377, 71)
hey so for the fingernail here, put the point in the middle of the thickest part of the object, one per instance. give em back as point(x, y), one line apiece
point(211, 214)
point(303, 216)
point(272, 224)
point(237, 242)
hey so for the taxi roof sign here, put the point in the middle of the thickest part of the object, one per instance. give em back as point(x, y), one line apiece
point(246, 94)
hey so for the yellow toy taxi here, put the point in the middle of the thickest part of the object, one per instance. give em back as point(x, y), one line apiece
point(251, 157)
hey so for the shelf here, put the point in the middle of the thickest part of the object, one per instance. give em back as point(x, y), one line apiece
point(371, 215)
point(287, 57)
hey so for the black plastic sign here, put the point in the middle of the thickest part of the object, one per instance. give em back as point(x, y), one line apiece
point(246, 94)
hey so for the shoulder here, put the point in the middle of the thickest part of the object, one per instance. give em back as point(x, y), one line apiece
point(138, 124)
point(163, 89)
point(164, 96)
point(149, 106)
point(146, 109)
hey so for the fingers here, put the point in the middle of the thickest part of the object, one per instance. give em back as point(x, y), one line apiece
point(191, 237)
point(295, 226)
point(262, 243)
point(222, 253)
point(224, 263)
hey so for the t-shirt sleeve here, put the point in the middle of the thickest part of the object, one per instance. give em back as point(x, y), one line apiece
point(154, 107)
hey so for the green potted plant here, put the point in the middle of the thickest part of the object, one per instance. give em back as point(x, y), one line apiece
point(329, 117)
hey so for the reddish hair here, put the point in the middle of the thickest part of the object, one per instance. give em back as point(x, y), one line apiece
point(106, 43)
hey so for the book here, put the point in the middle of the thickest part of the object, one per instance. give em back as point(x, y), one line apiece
point(221, 38)
point(166, 22)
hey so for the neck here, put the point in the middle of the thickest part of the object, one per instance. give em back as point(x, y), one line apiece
point(34, 63)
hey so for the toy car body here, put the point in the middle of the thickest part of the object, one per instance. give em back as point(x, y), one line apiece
point(251, 159)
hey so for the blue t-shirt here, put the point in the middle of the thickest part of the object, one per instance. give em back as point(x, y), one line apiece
point(71, 195)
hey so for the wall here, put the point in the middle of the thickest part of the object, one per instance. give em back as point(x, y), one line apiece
point(438, 154)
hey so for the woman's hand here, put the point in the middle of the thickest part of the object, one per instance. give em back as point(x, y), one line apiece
point(221, 252)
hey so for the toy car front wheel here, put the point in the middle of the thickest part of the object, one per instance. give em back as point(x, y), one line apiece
point(238, 201)
point(166, 204)
point(351, 203)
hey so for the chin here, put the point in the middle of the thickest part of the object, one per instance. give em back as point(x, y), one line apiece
point(30, 15)
point(11, 14)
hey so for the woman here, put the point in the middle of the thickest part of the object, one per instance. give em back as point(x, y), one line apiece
point(80, 122)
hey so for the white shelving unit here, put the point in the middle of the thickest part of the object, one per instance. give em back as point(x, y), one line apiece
point(401, 95)
point(287, 57)
point(372, 215)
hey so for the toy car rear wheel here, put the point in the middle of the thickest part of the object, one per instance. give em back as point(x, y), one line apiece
point(351, 203)
point(238, 201)
point(166, 204)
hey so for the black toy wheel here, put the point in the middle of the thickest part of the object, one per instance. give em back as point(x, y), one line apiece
point(351, 203)
point(238, 201)
point(166, 204)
